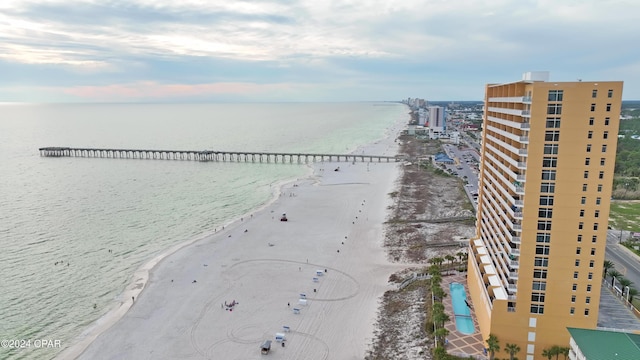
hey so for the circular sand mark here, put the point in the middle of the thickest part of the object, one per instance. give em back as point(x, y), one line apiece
point(248, 334)
point(352, 292)
point(323, 353)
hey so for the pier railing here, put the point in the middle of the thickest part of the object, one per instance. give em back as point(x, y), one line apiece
point(211, 155)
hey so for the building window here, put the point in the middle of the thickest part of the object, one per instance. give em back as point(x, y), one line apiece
point(596, 213)
point(590, 135)
point(587, 161)
point(583, 200)
point(594, 238)
point(598, 200)
point(582, 213)
point(604, 148)
point(555, 95)
point(539, 274)
point(575, 287)
point(575, 274)
point(588, 288)
point(602, 161)
point(577, 263)
point(605, 135)
point(606, 121)
point(588, 147)
point(587, 300)
point(572, 311)
point(591, 263)
point(610, 93)
point(594, 93)
point(599, 187)
point(586, 174)
point(546, 200)
point(537, 297)
point(580, 225)
point(552, 135)
point(573, 298)
point(550, 149)
point(547, 187)
point(593, 107)
point(579, 238)
point(549, 162)
point(545, 213)
point(543, 238)
point(544, 225)
point(542, 250)
point(586, 312)
point(591, 120)
point(608, 107)
point(541, 261)
point(584, 187)
point(595, 226)
point(548, 174)
point(537, 309)
point(590, 277)
point(554, 109)
point(578, 250)
point(553, 122)
point(593, 251)
point(539, 285)
point(601, 175)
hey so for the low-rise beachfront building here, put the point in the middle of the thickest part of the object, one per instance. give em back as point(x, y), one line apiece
point(547, 162)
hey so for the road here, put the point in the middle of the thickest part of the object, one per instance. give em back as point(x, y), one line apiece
point(626, 263)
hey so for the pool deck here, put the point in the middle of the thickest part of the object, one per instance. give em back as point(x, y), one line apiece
point(460, 344)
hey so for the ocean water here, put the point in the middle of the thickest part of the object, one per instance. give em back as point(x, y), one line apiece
point(73, 230)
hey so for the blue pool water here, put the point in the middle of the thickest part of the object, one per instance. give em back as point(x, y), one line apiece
point(464, 322)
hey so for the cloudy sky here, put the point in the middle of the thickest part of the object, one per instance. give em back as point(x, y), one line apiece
point(306, 50)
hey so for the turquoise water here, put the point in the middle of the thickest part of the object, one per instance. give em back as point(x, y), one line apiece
point(60, 217)
point(464, 322)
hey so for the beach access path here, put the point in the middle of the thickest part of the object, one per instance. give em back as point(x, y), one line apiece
point(262, 264)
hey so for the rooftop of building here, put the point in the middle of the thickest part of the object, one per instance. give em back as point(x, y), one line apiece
point(606, 345)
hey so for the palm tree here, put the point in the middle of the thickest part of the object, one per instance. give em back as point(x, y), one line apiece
point(493, 345)
point(624, 282)
point(441, 335)
point(450, 259)
point(547, 353)
point(565, 351)
point(433, 269)
point(460, 255)
point(512, 349)
point(440, 318)
point(632, 292)
point(438, 260)
point(556, 350)
point(608, 265)
point(614, 275)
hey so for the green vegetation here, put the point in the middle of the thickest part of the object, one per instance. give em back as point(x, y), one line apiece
point(625, 215)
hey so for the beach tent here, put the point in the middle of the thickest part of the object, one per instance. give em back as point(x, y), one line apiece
point(303, 296)
point(302, 302)
point(280, 337)
point(319, 272)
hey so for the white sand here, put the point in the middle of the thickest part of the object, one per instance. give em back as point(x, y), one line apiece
point(175, 318)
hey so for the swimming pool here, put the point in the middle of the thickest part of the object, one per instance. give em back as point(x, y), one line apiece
point(464, 322)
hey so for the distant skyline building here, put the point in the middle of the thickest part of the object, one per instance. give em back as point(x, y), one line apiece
point(436, 121)
point(535, 264)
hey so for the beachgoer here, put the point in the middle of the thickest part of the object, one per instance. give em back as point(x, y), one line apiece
point(133, 299)
point(282, 343)
point(288, 304)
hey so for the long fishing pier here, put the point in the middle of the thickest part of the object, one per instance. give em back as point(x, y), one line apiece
point(211, 155)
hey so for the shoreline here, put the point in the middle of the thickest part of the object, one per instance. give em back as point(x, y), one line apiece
point(147, 272)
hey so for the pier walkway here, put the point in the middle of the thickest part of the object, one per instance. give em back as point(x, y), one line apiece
point(211, 155)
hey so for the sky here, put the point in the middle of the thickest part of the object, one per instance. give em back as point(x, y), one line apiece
point(307, 50)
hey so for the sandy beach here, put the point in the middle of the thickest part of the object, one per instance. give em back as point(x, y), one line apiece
point(330, 250)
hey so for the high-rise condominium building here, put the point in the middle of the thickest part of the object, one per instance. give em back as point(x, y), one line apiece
point(548, 154)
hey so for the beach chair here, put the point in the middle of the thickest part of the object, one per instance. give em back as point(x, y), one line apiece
point(315, 279)
point(296, 311)
point(285, 328)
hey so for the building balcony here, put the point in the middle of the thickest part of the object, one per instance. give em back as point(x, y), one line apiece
point(518, 202)
point(521, 177)
point(522, 165)
point(526, 99)
point(513, 275)
point(526, 113)
point(511, 297)
point(518, 215)
point(524, 139)
point(514, 264)
point(516, 240)
point(523, 152)
point(514, 252)
point(512, 288)
point(520, 190)
point(525, 125)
